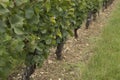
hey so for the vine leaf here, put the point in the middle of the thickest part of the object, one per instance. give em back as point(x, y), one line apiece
point(16, 22)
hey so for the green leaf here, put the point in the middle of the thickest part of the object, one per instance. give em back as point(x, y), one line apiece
point(20, 2)
point(52, 19)
point(2, 27)
point(47, 5)
point(3, 10)
point(29, 12)
point(58, 33)
point(16, 21)
point(19, 31)
point(48, 41)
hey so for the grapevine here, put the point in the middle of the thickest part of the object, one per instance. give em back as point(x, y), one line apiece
point(30, 28)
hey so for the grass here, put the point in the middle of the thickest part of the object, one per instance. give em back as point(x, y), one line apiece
point(105, 64)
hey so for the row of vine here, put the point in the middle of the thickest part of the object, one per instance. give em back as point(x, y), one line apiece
point(29, 28)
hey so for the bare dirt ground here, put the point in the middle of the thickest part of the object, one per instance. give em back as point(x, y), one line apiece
point(75, 52)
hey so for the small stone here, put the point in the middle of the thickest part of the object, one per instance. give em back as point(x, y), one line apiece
point(50, 79)
point(59, 79)
point(50, 61)
point(87, 44)
point(41, 72)
point(71, 72)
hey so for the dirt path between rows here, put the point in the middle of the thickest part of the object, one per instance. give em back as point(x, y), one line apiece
point(75, 52)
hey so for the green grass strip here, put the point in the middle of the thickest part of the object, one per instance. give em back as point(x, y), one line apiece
point(105, 64)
